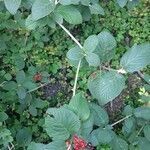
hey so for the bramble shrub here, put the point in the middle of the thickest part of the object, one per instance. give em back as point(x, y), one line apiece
point(83, 123)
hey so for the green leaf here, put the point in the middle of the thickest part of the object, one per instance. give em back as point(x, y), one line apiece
point(99, 114)
point(142, 112)
point(9, 86)
point(12, 5)
point(96, 9)
point(106, 46)
point(42, 8)
point(61, 123)
point(93, 59)
point(20, 77)
point(122, 3)
point(21, 91)
point(147, 132)
point(36, 146)
point(30, 23)
point(104, 88)
point(136, 58)
point(55, 145)
point(80, 106)
point(69, 2)
point(3, 116)
point(87, 127)
point(75, 53)
point(143, 143)
point(128, 126)
point(90, 43)
point(52, 146)
point(101, 136)
point(32, 110)
point(70, 13)
point(119, 144)
point(24, 137)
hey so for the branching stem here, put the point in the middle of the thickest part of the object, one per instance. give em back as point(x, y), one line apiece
point(121, 120)
point(79, 64)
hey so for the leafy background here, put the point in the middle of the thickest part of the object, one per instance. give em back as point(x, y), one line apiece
point(24, 53)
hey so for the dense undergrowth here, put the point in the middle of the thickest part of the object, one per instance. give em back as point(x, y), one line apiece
point(41, 53)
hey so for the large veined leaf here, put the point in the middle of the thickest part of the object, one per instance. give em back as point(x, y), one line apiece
point(136, 58)
point(61, 123)
point(106, 86)
point(69, 2)
point(55, 145)
point(80, 106)
point(119, 144)
point(142, 112)
point(70, 13)
point(12, 5)
point(101, 136)
point(122, 3)
point(99, 114)
point(106, 46)
point(87, 127)
point(20, 77)
point(90, 43)
point(42, 8)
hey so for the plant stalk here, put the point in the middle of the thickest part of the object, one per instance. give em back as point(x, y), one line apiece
point(121, 120)
point(79, 64)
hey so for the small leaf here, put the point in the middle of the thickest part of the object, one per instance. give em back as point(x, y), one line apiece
point(90, 43)
point(62, 124)
point(96, 9)
point(80, 106)
point(24, 137)
point(104, 88)
point(3, 116)
point(99, 114)
point(147, 132)
point(142, 112)
point(93, 59)
point(70, 13)
point(136, 58)
point(33, 111)
point(12, 5)
point(42, 8)
point(75, 53)
point(9, 86)
point(122, 3)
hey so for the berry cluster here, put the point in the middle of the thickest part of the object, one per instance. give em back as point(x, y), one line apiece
point(81, 144)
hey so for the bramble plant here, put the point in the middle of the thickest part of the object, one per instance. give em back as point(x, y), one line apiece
point(83, 123)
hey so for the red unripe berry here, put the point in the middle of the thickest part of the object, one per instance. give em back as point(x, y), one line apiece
point(37, 77)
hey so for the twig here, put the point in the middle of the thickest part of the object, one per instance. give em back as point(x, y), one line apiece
point(79, 64)
point(140, 130)
point(38, 87)
point(76, 78)
point(72, 37)
point(121, 120)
